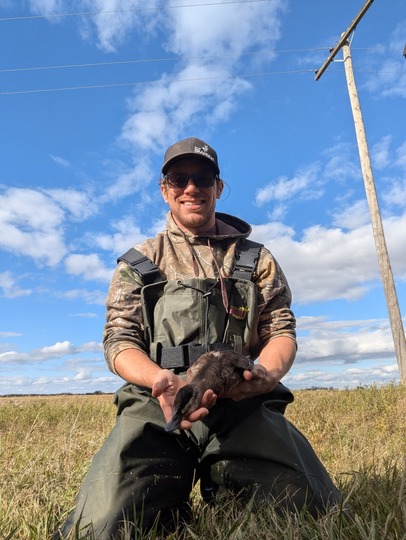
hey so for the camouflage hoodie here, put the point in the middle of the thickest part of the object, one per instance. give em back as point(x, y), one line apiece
point(179, 256)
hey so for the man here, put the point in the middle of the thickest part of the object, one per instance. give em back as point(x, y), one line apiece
point(198, 300)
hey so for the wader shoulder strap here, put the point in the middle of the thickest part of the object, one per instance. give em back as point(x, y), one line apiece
point(144, 267)
point(246, 257)
point(247, 254)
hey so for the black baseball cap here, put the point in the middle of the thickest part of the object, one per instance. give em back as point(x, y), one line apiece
point(191, 147)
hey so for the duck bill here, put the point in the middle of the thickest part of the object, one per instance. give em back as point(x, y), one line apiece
point(174, 422)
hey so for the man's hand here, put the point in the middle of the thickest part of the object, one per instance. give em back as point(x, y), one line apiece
point(256, 382)
point(275, 360)
point(165, 387)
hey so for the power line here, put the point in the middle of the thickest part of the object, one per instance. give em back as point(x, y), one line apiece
point(136, 83)
point(90, 13)
point(153, 60)
point(343, 38)
point(141, 83)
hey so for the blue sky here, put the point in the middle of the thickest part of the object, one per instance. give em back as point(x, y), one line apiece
point(90, 101)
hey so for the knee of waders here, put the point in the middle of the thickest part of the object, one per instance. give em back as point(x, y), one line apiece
point(258, 480)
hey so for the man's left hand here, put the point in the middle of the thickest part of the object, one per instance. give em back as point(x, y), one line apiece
point(256, 382)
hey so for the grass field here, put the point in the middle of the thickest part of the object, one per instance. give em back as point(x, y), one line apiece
point(48, 442)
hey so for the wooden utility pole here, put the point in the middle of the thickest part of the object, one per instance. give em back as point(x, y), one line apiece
point(377, 227)
point(395, 318)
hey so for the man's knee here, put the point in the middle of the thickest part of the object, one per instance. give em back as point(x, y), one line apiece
point(259, 480)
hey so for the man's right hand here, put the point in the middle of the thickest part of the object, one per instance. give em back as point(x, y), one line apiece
point(165, 387)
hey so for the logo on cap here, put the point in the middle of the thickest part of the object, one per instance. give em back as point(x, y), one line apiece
point(204, 151)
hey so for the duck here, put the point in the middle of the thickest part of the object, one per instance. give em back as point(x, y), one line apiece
point(219, 371)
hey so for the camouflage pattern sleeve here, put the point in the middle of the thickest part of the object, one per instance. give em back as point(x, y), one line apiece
point(124, 327)
point(275, 298)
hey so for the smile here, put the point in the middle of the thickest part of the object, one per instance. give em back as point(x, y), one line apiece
point(192, 203)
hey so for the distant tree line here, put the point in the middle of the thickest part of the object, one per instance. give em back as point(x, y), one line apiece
point(97, 392)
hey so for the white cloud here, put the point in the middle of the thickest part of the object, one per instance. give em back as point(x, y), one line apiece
point(343, 341)
point(304, 185)
point(57, 350)
point(390, 79)
point(199, 91)
point(391, 166)
point(90, 346)
point(33, 222)
point(395, 196)
point(315, 377)
point(395, 235)
point(132, 180)
point(352, 343)
point(342, 162)
point(277, 212)
point(190, 97)
point(338, 260)
point(112, 23)
point(127, 235)
point(59, 160)
point(79, 204)
point(27, 231)
point(90, 297)
point(354, 216)
point(146, 127)
point(90, 267)
point(401, 156)
point(274, 231)
point(388, 72)
point(332, 263)
point(82, 384)
point(21, 206)
point(10, 288)
point(380, 153)
point(309, 182)
point(47, 7)
point(113, 27)
point(212, 29)
point(51, 352)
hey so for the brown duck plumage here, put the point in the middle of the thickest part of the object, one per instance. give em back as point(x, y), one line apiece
point(219, 371)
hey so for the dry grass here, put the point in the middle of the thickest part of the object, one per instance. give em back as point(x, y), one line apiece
point(48, 442)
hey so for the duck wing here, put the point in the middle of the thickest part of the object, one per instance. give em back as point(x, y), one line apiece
point(215, 365)
point(231, 366)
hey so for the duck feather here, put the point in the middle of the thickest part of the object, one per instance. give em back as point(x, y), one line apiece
point(219, 371)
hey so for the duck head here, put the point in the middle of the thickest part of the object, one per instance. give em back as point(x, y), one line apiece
point(187, 400)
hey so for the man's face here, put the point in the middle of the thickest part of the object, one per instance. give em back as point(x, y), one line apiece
point(192, 207)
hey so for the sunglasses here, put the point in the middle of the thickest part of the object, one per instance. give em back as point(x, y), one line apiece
point(181, 180)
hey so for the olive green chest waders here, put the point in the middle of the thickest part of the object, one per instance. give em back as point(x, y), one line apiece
point(246, 447)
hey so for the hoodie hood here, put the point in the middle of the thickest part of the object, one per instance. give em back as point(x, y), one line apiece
point(227, 226)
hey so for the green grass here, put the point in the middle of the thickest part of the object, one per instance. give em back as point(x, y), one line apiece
point(47, 443)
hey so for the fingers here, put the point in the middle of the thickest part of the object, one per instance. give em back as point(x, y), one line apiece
point(165, 387)
point(208, 399)
point(258, 372)
point(167, 410)
point(194, 417)
point(164, 381)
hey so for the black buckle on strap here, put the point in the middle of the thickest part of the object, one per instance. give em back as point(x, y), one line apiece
point(182, 357)
point(147, 270)
point(143, 266)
